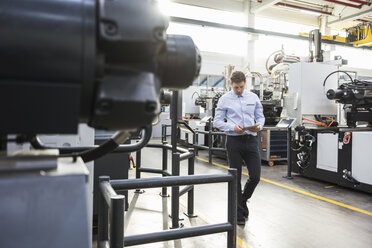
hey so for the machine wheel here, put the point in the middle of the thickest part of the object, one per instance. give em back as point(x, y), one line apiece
point(271, 163)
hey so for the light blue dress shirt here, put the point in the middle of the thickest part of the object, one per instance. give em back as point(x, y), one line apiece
point(245, 110)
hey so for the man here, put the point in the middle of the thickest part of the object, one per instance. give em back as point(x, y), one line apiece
point(237, 109)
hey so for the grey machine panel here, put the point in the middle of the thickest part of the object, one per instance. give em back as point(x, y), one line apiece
point(327, 153)
point(45, 209)
point(361, 167)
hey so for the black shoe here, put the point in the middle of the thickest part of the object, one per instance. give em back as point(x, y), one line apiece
point(241, 220)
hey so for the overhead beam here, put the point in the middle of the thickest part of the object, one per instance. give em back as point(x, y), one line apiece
point(351, 17)
point(263, 5)
point(254, 31)
point(226, 5)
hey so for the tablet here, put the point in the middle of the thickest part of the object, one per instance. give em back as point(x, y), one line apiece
point(249, 127)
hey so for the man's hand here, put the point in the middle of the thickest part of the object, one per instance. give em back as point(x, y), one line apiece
point(238, 129)
point(254, 129)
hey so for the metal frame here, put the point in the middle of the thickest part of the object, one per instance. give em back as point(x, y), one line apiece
point(257, 31)
point(111, 210)
point(197, 147)
point(180, 155)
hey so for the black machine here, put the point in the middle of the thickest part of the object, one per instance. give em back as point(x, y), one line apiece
point(98, 62)
point(271, 108)
point(335, 155)
point(62, 63)
point(357, 97)
point(338, 154)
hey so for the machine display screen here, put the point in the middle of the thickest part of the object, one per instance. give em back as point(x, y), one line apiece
point(285, 123)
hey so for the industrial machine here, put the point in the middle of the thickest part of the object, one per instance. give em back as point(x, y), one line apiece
point(360, 35)
point(67, 62)
point(356, 97)
point(322, 147)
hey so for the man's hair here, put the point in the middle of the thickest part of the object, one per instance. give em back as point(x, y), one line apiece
point(237, 77)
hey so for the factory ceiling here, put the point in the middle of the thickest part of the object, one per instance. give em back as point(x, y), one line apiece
point(339, 14)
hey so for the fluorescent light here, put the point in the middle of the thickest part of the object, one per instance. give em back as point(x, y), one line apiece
point(309, 12)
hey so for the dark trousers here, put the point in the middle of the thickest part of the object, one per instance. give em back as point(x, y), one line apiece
point(239, 149)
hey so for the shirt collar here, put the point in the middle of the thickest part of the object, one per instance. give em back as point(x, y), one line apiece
point(237, 96)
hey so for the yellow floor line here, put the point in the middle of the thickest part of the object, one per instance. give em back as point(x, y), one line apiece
point(299, 191)
point(241, 243)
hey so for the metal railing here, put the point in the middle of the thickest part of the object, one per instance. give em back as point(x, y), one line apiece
point(195, 142)
point(180, 155)
point(111, 210)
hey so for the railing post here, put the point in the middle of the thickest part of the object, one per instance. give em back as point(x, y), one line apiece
point(190, 194)
point(163, 133)
point(232, 208)
point(103, 227)
point(175, 203)
point(138, 164)
point(210, 146)
point(289, 160)
point(138, 169)
point(164, 167)
point(196, 142)
point(117, 221)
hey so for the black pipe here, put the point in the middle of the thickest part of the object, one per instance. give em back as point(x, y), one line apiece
point(127, 184)
point(117, 221)
point(37, 144)
point(100, 151)
point(175, 201)
point(138, 164)
point(174, 118)
point(210, 147)
point(232, 207)
point(103, 225)
point(186, 189)
point(196, 141)
point(164, 166)
point(163, 133)
point(176, 234)
point(106, 190)
point(169, 147)
point(179, 149)
point(156, 171)
point(186, 155)
point(190, 195)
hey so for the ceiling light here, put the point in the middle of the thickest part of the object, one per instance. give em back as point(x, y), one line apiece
point(309, 12)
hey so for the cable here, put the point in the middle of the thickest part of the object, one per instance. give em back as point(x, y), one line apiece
point(192, 96)
point(107, 147)
point(331, 121)
point(112, 145)
point(158, 121)
point(325, 80)
point(314, 122)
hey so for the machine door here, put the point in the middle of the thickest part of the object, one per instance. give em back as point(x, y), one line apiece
point(327, 153)
point(361, 167)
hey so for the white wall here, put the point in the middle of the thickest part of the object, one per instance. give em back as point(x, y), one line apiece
point(214, 63)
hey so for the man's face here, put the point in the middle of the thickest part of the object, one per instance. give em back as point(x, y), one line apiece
point(238, 88)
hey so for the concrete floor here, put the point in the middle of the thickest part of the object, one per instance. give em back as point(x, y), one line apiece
point(283, 213)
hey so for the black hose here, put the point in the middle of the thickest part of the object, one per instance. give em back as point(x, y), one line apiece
point(98, 152)
point(90, 153)
point(325, 80)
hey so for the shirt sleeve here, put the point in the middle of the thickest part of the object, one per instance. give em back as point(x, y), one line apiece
point(258, 114)
point(220, 116)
